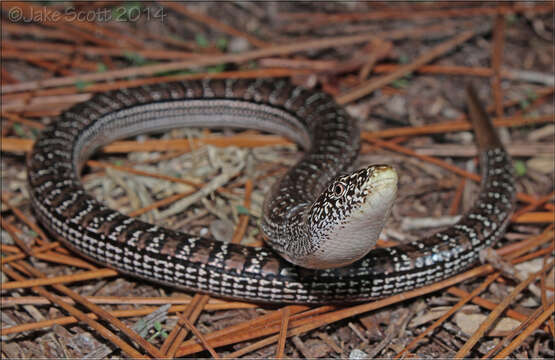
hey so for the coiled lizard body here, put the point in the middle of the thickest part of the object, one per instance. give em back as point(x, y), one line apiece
point(310, 205)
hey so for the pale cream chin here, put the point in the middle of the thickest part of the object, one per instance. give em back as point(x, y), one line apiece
point(353, 240)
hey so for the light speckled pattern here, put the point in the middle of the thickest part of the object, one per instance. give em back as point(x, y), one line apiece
point(313, 120)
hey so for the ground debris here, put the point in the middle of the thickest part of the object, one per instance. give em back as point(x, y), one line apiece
point(39, 53)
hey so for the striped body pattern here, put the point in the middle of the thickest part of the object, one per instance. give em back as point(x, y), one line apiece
point(330, 138)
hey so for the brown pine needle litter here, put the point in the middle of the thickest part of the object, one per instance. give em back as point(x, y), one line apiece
point(397, 67)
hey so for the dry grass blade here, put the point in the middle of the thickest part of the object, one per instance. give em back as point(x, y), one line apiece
point(248, 329)
point(216, 60)
point(121, 84)
point(403, 150)
point(202, 339)
point(486, 304)
point(107, 334)
point(57, 48)
point(191, 314)
point(13, 231)
point(212, 304)
point(254, 346)
point(448, 314)
point(66, 320)
point(10, 249)
point(461, 70)
point(282, 333)
point(467, 347)
point(51, 256)
point(160, 203)
point(19, 214)
point(243, 218)
point(519, 339)
point(151, 349)
point(35, 252)
point(523, 324)
point(418, 11)
point(455, 203)
point(517, 249)
point(214, 23)
point(86, 275)
point(242, 140)
point(535, 217)
point(13, 144)
point(533, 205)
point(497, 61)
point(452, 126)
point(372, 85)
point(130, 170)
point(177, 328)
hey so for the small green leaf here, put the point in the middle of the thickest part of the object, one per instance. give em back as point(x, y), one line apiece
point(403, 59)
point(157, 326)
point(215, 69)
point(242, 210)
point(520, 168)
point(511, 18)
point(221, 43)
point(201, 40)
point(524, 103)
point(531, 95)
point(101, 67)
point(18, 129)
point(35, 133)
point(135, 58)
point(400, 83)
point(164, 334)
point(81, 85)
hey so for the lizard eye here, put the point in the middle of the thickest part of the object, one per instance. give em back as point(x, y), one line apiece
point(338, 189)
